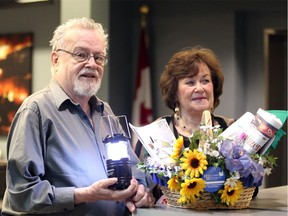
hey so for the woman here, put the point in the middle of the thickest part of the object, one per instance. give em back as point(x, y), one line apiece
point(191, 83)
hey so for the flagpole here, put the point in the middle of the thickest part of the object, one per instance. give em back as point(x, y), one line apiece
point(144, 10)
point(142, 101)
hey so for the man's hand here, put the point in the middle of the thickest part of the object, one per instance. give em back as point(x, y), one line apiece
point(142, 198)
point(100, 191)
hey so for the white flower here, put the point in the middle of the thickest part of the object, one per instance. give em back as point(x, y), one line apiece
point(168, 173)
point(235, 175)
point(215, 153)
point(231, 182)
point(215, 140)
point(177, 168)
point(200, 149)
point(262, 161)
point(203, 127)
point(210, 127)
point(267, 171)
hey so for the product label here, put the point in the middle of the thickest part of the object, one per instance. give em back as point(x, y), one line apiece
point(254, 141)
point(214, 177)
point(263, 126)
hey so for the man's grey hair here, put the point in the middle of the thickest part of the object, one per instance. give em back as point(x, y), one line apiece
point(58, 39)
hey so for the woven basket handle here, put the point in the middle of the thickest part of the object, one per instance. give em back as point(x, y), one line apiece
point(207, 121)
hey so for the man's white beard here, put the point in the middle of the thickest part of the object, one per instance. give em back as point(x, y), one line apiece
point(83, 88)
point(86, 88)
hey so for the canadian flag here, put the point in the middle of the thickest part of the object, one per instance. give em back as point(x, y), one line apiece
point(142, 101)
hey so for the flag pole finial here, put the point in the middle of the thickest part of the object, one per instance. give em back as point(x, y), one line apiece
point(144, 10)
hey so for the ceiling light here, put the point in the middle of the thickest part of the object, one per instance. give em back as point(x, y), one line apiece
point(30, 1)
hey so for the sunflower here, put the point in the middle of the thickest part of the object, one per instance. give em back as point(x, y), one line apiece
point(173, 184)
point(183, 199)
point(231, 195)
point(194, 163)
point(191, 189)
point(177, 148)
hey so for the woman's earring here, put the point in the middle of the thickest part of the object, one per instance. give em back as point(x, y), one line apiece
point(177, 113)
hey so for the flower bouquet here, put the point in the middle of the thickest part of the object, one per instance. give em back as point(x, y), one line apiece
point(213, 172)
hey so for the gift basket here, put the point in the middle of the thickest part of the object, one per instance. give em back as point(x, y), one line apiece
point(219, 170)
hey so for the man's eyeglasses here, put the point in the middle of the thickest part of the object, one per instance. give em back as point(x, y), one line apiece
point(81, 56)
